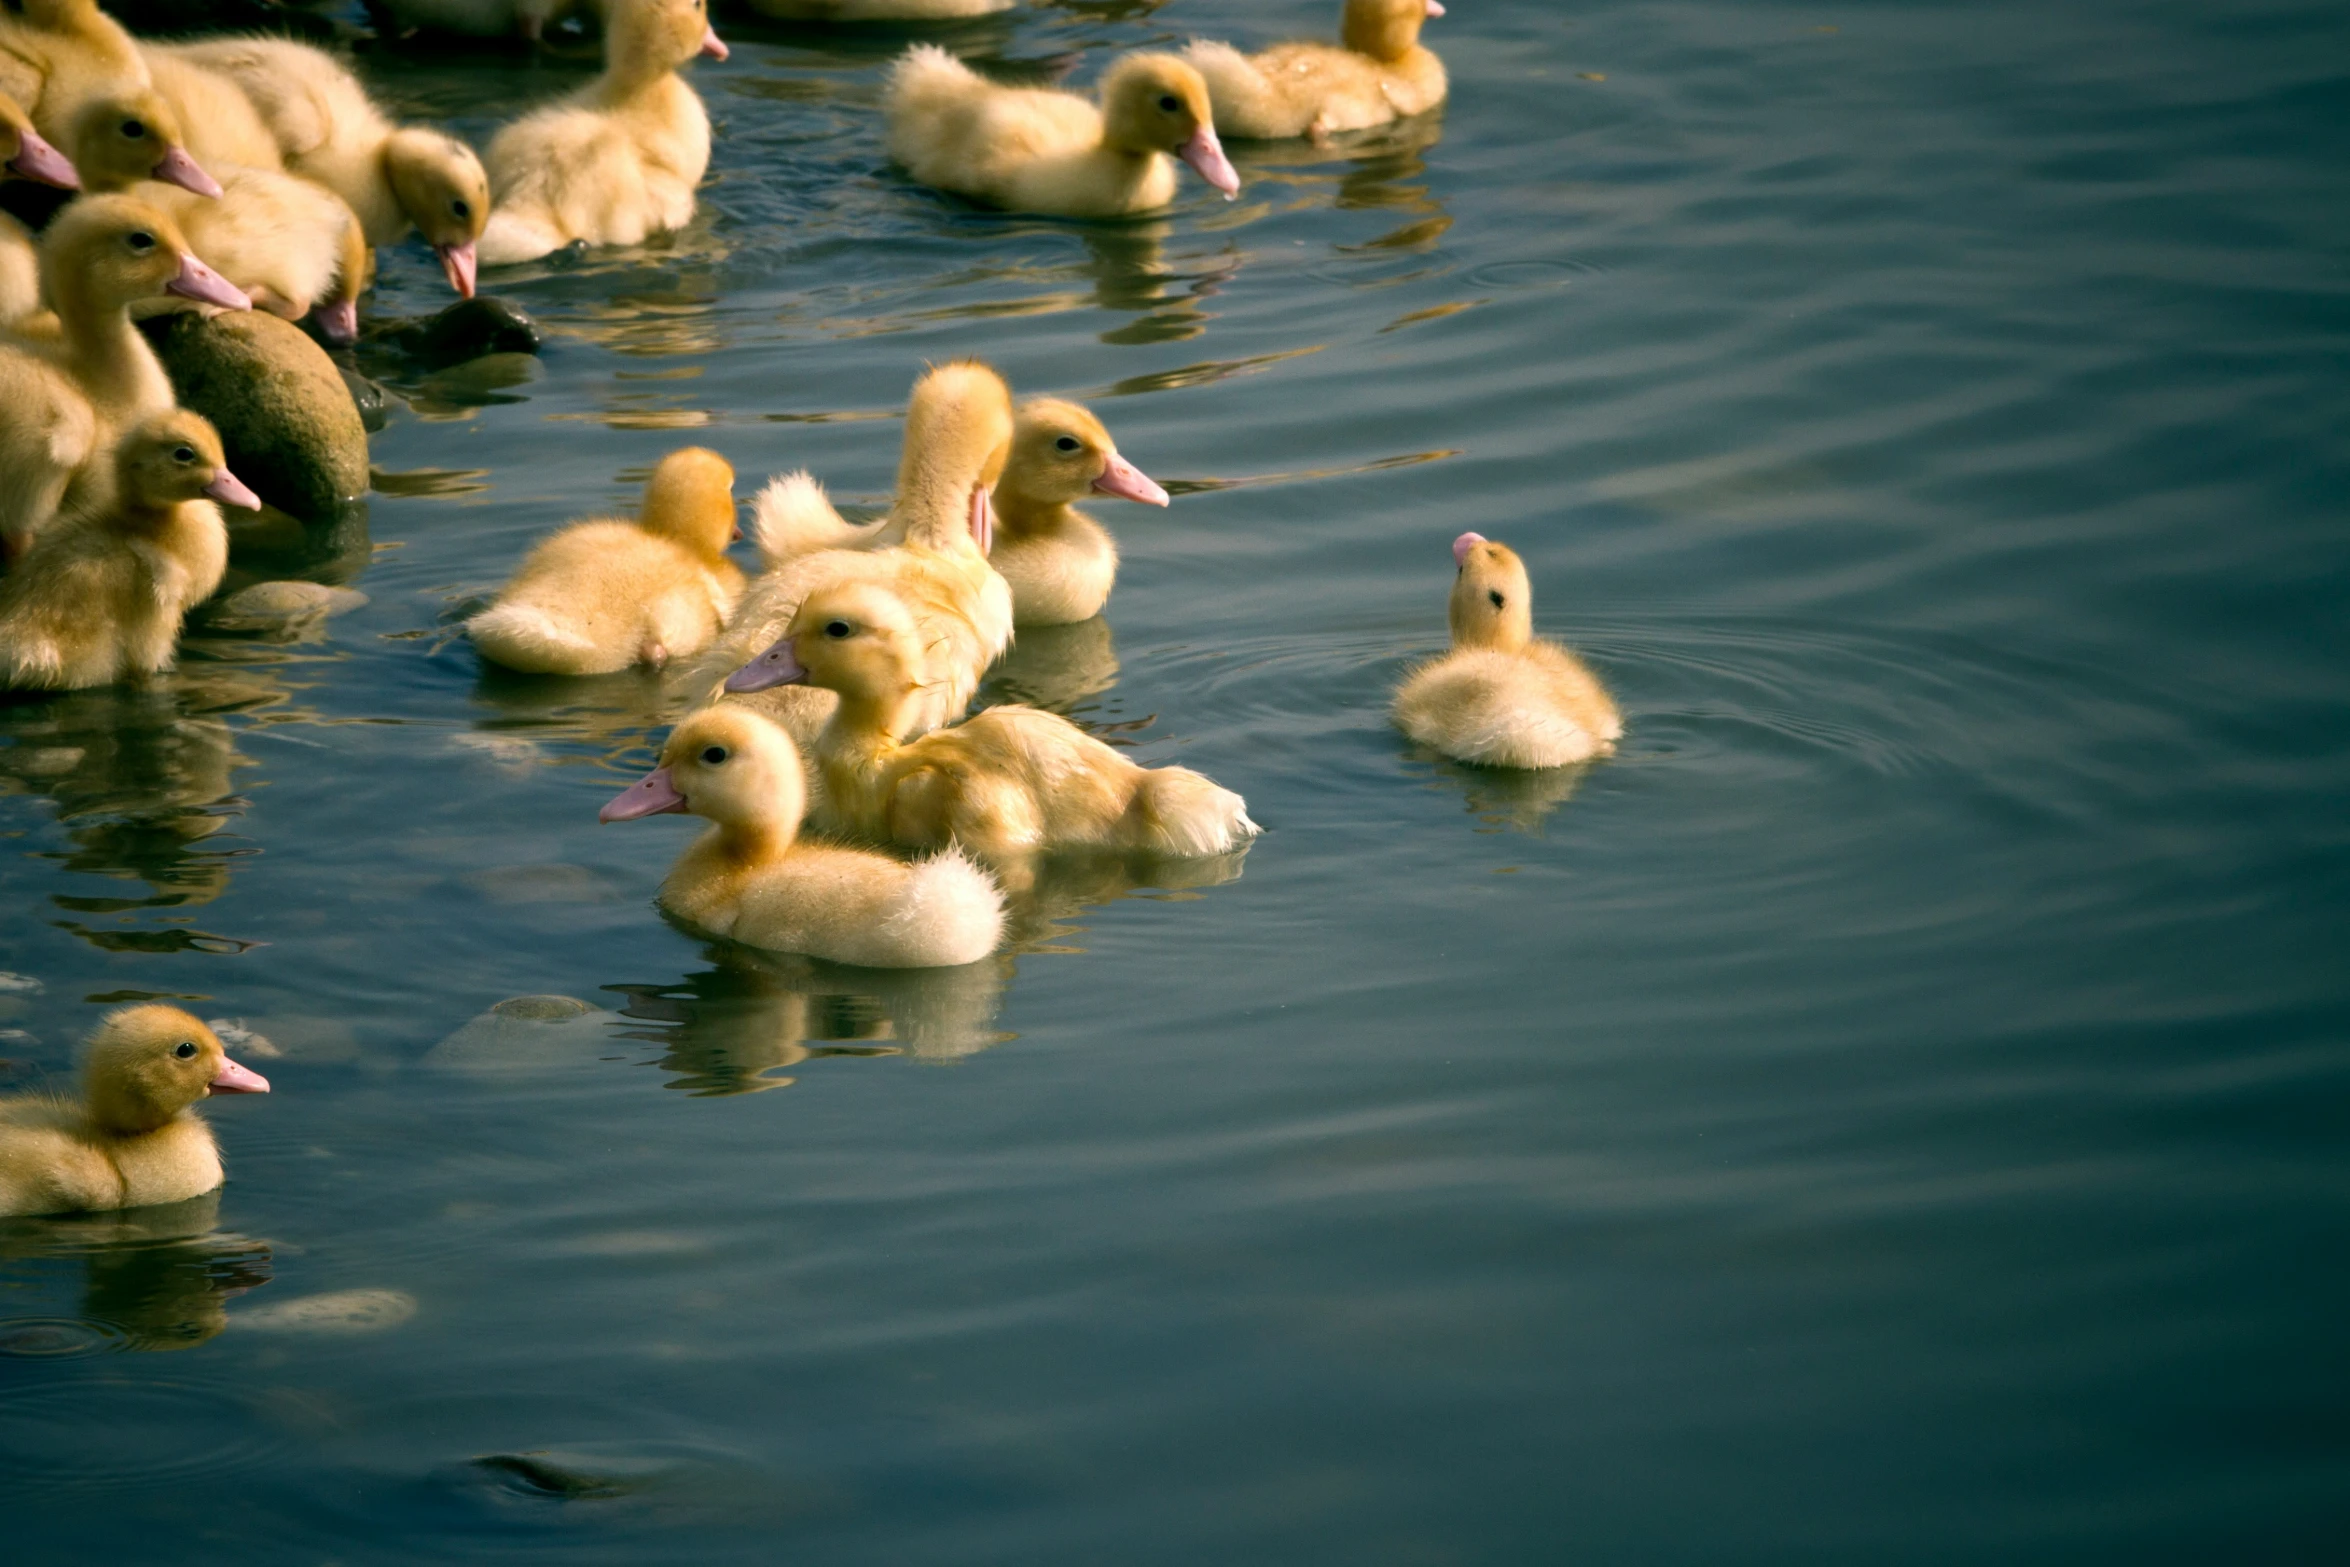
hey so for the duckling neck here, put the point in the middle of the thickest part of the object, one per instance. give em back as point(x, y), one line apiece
point(748, 845)
point(1019, 517)
point(114, 1113)
point(855, 747)
point(108, 355)
point(629, 79)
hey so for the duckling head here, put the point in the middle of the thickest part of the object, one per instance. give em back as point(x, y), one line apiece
point(857, 639)
point(174, 457)
point(108, 252)
point(690, 499)
point(1386, 29)
point(727, 765)
point(1061, 453)
point(131, 134)
point(25, 154)
point(958, 439)
point(439, 184)
point(146, 1064)
point(655, 37)
point(1492, 602)
point(1158, 103)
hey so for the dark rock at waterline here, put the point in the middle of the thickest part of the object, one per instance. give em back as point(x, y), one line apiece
point(291, 428)
point(372, 401)
point(469, 329)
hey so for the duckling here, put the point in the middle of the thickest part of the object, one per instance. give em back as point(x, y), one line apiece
point(1379, 72)
point(619, 159)
point(72, 381)
point(878, 10)
point(524, 19)
point(958, 437)
point(604, 596)
point(24, 155)
point(328, 129)
point(751, 877)
point(1004, 783)
point(1502, 698)
point(1037, 149)
point(61, 55)
point(124, 136)
point(103, 598)
point(222, 125)
point(133, 1140)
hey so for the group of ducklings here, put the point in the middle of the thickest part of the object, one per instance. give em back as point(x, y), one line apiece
point(831, 689)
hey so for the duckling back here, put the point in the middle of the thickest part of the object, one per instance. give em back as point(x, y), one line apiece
point(1380, 73)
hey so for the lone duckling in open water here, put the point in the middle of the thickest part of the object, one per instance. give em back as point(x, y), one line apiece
point(606, 595)
point(101, 598)
point(1040, 149)
point(1502, 697)
point(133, 1140)
point(752, 879)
point(1378, 72)
point(616, 161)
point(1004, 783)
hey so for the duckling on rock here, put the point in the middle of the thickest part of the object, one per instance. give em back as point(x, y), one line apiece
point(1379, 72)
point(1040, 149)
point(752, 879)
point(102, 597)
point(1501, 697)
point(1004, 783)
point(604, 596)
point(616, 161)
point(134, 1139)
point(24, 155)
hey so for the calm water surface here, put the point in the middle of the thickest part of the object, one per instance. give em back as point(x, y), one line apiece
point(1892, 1112)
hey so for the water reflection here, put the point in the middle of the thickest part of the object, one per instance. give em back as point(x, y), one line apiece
point(610, 714)
point(1132, 274)
point(1054, 667)
point(1503, 799)
point(150, 1278)
point(1044, 895)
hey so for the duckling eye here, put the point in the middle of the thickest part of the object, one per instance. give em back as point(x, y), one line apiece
point(836, 629)
point(183, 454)
point(185, 1050)
point(134, 129)
point(1067, 443)
point(140, 240)
point(713, 755)
point(461, 208)
point(1169, 103)
point(1495, 597)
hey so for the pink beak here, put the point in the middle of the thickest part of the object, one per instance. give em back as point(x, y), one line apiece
point(983, 518)
point(230, 490)
point(458, 262)
point(1129, 483)
point(1206, 154)
point(339, 321)
point(177, 168)
point(713, 45)
point(1435, 7)
point(775, 667)
point(199, 282)
point(235, 1079)
point(1462, 545)
point(36, 160)
point(651, 795)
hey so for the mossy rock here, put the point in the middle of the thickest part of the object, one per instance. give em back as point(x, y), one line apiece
point(283, 412)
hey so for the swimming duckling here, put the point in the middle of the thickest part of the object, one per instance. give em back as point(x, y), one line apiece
point(72, 381)
point(1502, 698)
point(1379, 72)
point(101, 598)
point(328, 129)
point(607, 595)
point(619, 159)
point(1039, 149)
point(1004, 783)
point(24, 155)
point(958, 437)
point(133, 1140)
point(524, 19)
point(750, 877)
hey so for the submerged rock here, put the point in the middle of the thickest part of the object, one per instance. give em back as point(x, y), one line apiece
point(283, 412)
point(469, 329)
point(281, 607)
point(338, 1312)
point(524, 1033)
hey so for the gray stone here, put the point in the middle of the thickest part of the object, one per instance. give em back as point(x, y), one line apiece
point(283, 412)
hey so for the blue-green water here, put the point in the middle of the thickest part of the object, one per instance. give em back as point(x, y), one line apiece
point(1895, 1111)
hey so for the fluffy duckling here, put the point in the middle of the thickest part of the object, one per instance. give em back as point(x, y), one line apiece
point(619, 159)
point(524, 19)
point(222, 125)
point(1377, 72)
point(607, 595)
point(134, 1139)
point(69, 389)
point(56, 55)
point(878, 10)
point(1039, 149)
point(127, 135)
point(750, 878)
point(1501, 697)
point(958, 437)
point(103, 599)
point(328, 129)
point(1006, 782)
point(24, 155)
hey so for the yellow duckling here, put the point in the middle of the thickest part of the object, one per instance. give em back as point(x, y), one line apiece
point(24, 155)
point(1006, 782)
point(1378, 72)
point(618, 160)
point(1039, 149)
point(101, 598)
point(328, 129)
point(222, 125)
point(125, 135)
point(751, 879)
point(1502, 698)
point(958, 437)
point(61, 54)
point(134, 1140)
point(608, 595)
point(72, 381)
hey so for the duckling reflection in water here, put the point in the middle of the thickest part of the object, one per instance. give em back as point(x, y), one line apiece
point(1055, 667)
point(162, 1276)
point(133, 1139)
